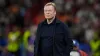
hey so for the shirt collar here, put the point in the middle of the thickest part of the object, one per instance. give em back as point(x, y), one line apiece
point(54, 21)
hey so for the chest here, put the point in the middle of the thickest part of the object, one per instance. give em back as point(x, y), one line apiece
point(53, 31)
point(47, 30)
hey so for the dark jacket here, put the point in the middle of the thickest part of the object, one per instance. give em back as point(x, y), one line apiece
point(62, 43)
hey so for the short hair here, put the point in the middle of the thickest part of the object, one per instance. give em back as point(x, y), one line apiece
point(52, 4)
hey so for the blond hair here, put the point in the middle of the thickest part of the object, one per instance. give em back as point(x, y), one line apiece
point(52, 4)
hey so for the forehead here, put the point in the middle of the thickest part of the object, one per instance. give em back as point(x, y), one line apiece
point(48, 7)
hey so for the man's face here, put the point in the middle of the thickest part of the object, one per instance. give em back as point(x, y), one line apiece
point(49, 12)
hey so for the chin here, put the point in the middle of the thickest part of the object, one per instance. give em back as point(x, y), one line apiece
point(48, 17)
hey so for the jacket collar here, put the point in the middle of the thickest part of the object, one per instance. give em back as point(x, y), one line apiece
point(57, 21)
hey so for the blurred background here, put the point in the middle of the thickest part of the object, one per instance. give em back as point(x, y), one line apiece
point(19, 20)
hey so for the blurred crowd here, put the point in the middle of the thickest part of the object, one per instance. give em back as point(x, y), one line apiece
point(19, 20)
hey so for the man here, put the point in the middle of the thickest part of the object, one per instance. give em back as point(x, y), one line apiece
point(13, 46)
point(53, 36)
point(76, 51)
point(3, 44)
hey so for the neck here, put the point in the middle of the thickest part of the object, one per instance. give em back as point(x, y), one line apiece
point(49, 21)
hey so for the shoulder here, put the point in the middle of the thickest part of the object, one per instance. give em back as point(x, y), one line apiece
point(61, 24)
point(64, 25)
point(83, 53)
point(41, 23)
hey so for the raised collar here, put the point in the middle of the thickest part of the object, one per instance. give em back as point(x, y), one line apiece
point(55, 21)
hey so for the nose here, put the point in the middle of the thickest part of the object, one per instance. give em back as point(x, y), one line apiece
point(47, 12)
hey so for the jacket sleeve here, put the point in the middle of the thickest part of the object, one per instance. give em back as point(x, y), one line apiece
point(36, 42)
point(68, 40)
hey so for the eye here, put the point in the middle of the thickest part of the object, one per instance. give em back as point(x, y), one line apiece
point(47, 10)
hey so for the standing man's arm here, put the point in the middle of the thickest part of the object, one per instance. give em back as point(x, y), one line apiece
point(36, 41)
point(68, 40)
